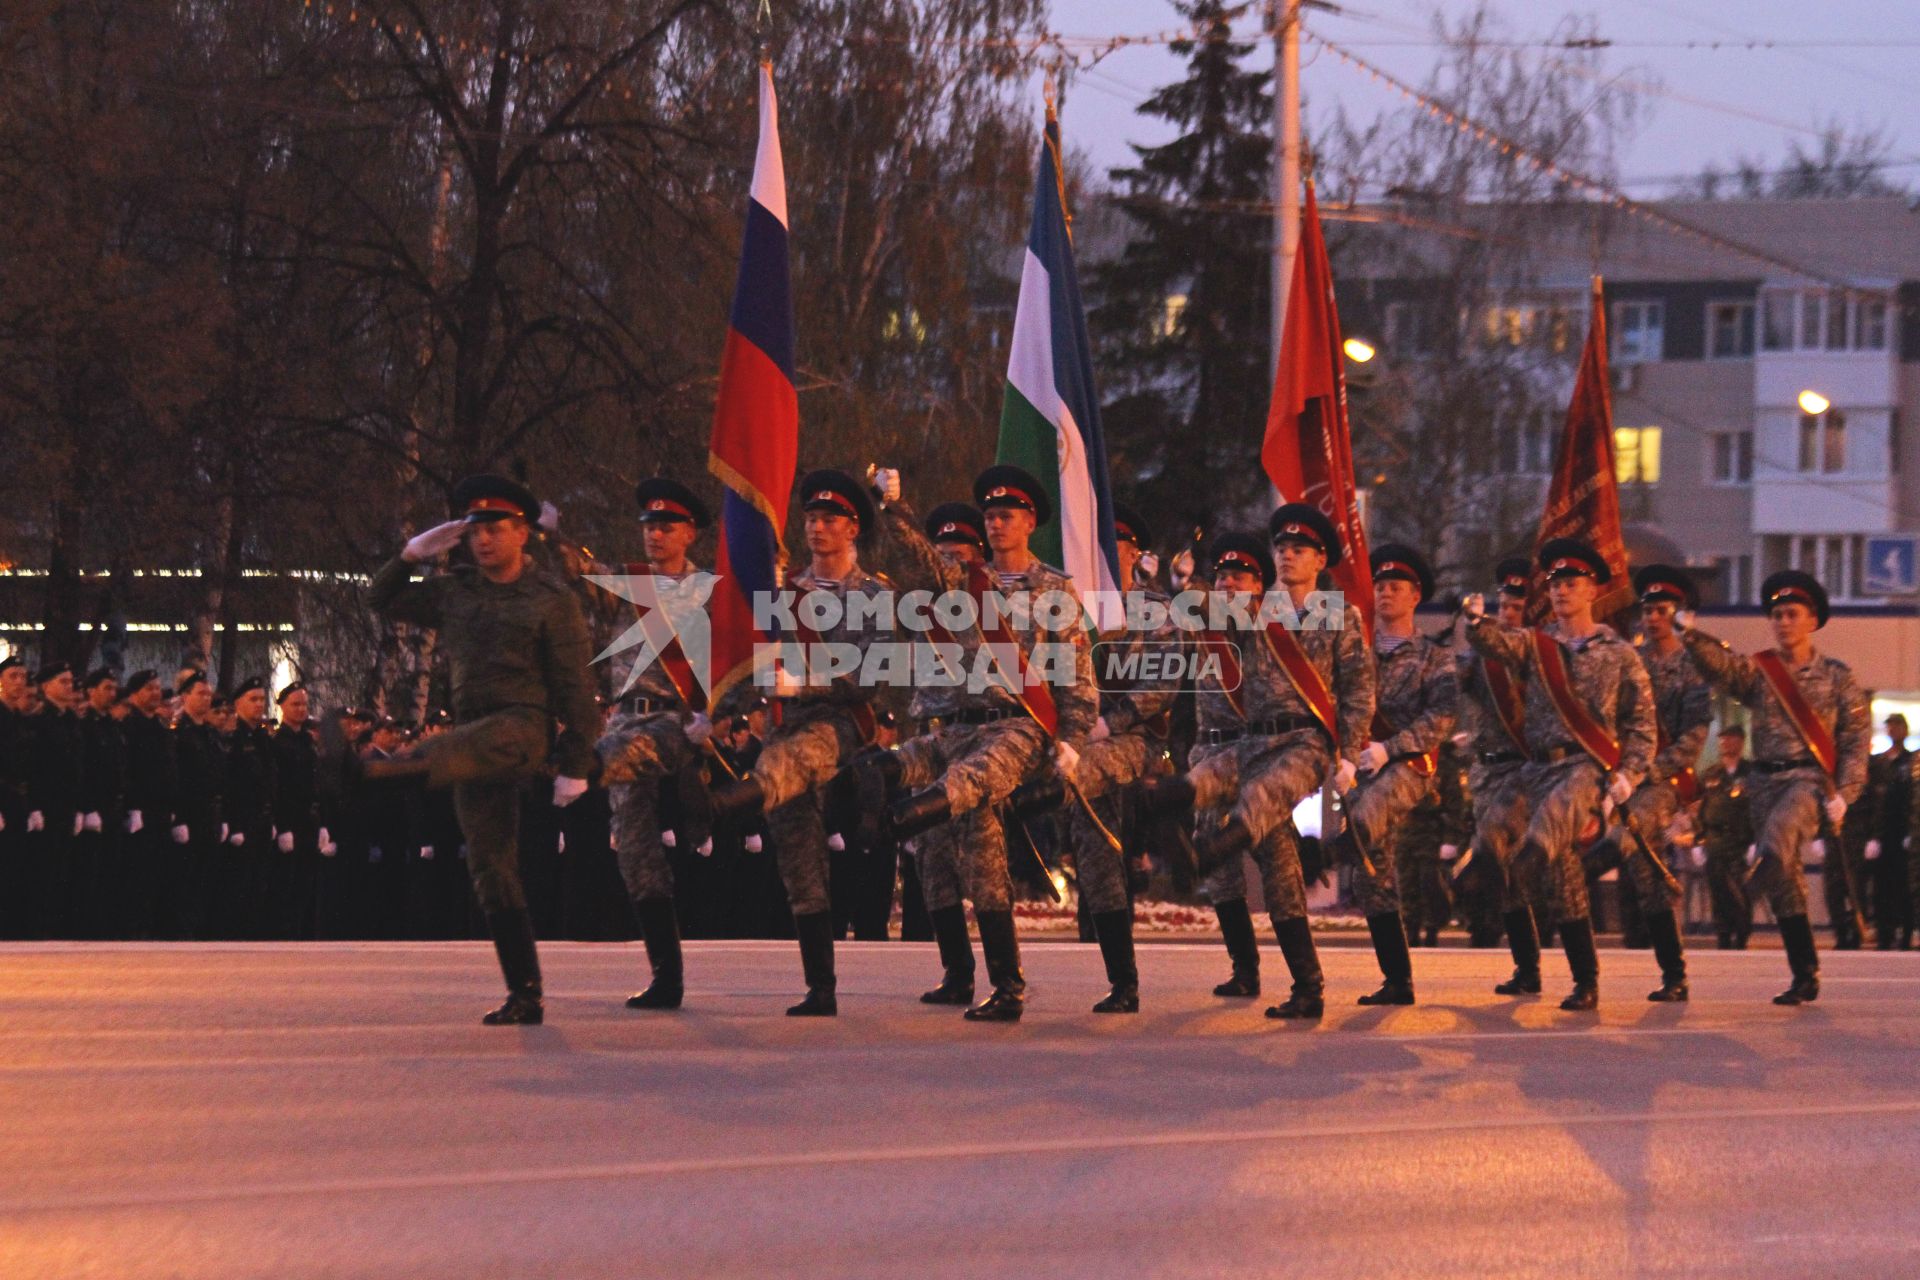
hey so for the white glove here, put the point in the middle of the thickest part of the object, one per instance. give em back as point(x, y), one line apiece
point(36, 821)
point(699, 729)
point(1101, 731)
point(1836, 809)
point(3, 822)
point(753, 843)
point(284, 842)
point(1753, 854)
point(1344, 776)
point(237, 839)
point(135, 821)
point(706, 848)
point(329, 850)
point(1066, 760)
point(426, 853)
point(886, 484)
point(79, 823)
point(560, 845)
point(566, 790)
point(1817, 851)
point(1873, 851)
point(435, 542)
point(1373, 759)
point(1683, 619)
point(1448, 852)
point(324, 839)
point(180, 833)
point(1473, 607)
point(1698, 856)
point(668, 840)
point(223, 833)
point(91, 823)
point(1619, 789)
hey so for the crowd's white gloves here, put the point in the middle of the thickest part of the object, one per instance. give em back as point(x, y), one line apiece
point(699, 729)
point(1753, 854)
point(753, 843)
point(1373, 759)
point(79, 823)
point(426, 853)
point(3, 822)
point(328, 849)
point(560, 845)
point(1817, 851)
point(223, 833)
point(886, 484)
point(1683, 619)
point(1101, 731)
point(1873, 851)
point(668, 840)
point(1836, 808)
point(1473, 607)
point(237, 839)
point(1344, 776)
point(284, 842)
point(324, 837)
point(180, 833)
point(1066, 760)
point(566, 790)
point(91, 822)
point(36, 821)
point(785, 683)
point(1619, 789)
point(706, 848)
point(1448, 852)
point(1698, 855)
point(434, 542)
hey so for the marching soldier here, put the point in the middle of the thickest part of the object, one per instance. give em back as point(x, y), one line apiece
point(1810, 742)
point(1279, 708)
point(1415, 701)
point(657, 730)
point(519, 650)
point(1683, 709)
point(1012, 721)
point(1427, 844)
point(1589, 737)
point(1726, 834)
point(821, 723)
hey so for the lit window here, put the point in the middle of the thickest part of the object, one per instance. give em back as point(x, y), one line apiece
point(1636, 455)
point(1176, 307)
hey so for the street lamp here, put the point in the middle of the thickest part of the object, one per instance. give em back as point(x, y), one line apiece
point(1813, 403)
point(1358, 350)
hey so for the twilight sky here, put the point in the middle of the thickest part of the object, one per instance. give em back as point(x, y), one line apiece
point(1850, 60)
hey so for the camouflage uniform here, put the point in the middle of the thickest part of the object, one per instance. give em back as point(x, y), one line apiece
point(1443, 817)
point(819, 730)
point(1788, 787)
point(1726, 829)
point(1563, 784)
point(1135, 717)
point(1683, 704)
point(1260, 778)
point(519, 654)
point(645, 742)
point(1416, 700)
point(1500, 804)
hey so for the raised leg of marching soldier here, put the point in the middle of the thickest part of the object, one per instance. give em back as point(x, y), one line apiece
point(637, 754)
point(1568, 796)
point(1374, 810)
point(1786, 816)
point(1651, 810)
point(943, 885)
point(1106, 768)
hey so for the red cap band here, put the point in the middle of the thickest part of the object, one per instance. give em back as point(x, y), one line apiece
point(1003, 493)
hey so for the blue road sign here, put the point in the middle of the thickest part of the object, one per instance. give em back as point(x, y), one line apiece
point(1891, 565)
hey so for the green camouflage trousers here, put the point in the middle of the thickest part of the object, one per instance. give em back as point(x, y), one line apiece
point(1107, 769)
point(486, 761)
point(1786, 815)
point(979, 765)
point(799, 760)
point(1651, 810)
point(1563, 798)
point(1376, 808)
point(1500, 812)
point(636, 754)
point(1284, 771)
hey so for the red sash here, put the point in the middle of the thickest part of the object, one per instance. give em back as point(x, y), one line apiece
point(1593, 739)
point(860, 711)
point(1035, 700)
point(1221, 649)
point(1806, 721)
point(1509, 704)
point(1306, 679)
point(673, 660)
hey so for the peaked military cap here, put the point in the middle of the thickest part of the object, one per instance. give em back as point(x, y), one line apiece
point(1396, 560)
point(1304, 522)
point(1794, 586)
point(1570, 557)
point(956, 522)
point(666, 501)
point(489, 497)
point(1005, 485)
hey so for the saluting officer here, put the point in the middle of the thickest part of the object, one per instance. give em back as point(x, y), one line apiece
point(1590, 737)
point(518, 650)
point(1811, 736)
point(657, 730)
point(1415, 703)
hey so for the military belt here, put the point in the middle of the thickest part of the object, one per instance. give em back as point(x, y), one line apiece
point(1502, 757)
point(1257, 729)
point(984, 715)
point(1782, 766)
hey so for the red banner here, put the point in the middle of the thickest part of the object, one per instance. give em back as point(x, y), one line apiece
point(1308, 451)
point(1584, 501)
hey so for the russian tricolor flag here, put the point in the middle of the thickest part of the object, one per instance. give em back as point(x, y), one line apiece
point(756, 422)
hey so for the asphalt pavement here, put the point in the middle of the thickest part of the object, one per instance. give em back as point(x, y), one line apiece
point(318, 1110)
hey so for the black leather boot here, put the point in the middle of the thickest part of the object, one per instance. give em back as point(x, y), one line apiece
point(1396, 963)
point(520, 964)
point(660, 930)
point(1114, 929)
point(1168, 794)
point(1523, 940)
point(921, 811)
point(956, 958)
point(1796, 935)
point(815, 933)
point(1308, 998)
point(1236, 930)
point(1001, 947)
point(1576, 936)
point(736, 798)
point(1667, 948)
point(1217, 846)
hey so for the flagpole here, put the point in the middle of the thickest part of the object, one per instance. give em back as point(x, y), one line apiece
point(1284, 18)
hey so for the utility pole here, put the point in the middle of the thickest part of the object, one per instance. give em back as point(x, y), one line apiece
point(1284, 20)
